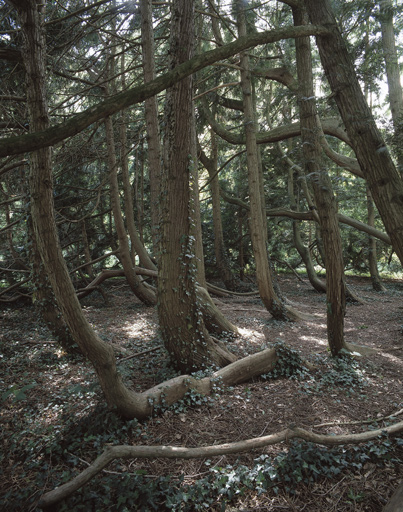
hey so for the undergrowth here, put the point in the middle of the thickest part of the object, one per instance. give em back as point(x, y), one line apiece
point(47, 442)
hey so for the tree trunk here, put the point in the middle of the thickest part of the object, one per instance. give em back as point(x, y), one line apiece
point(146, 295)
point(183, 330)
point(137, 245)
point(372, 258)
point(258, 228)
point(324, 197)
point(44, 300)
point(151, 116)
point(372, 154)
point(221, 256)
point(392, 75)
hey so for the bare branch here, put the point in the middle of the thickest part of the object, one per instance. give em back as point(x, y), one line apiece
point(112, 453)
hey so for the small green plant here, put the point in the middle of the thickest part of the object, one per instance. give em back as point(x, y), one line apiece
point(289, 363)
point(343, 372)
point(17, 393)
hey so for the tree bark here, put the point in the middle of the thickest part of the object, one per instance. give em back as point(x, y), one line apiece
point(385, 184)
point(183, 330)
point(151, 116)
point(258, 228)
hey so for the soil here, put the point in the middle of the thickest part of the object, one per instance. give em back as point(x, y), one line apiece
point(261, 407)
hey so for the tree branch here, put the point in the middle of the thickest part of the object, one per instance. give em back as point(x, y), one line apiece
point(180, 452)
point(113, 104)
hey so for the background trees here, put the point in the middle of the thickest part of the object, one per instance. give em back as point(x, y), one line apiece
point(163, 142)
point(105, 168)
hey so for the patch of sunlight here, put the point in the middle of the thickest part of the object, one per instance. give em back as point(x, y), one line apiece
point(134, 329)
point(396, 360)
point(248, 332)
point(320, 341)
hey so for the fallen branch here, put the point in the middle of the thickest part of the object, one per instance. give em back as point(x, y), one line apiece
point(363, 422)
point(139, 354)
point(112, 453)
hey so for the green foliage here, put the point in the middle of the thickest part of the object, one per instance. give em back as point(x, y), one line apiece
point(17, 393)
point(342, 372)
point(289, 364)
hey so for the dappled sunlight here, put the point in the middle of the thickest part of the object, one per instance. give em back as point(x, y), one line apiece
point(319, 341)
point(392, 358)
point(251, 334)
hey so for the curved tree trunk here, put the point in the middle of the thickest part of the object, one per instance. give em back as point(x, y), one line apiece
point(44, 299)
point(143, 293)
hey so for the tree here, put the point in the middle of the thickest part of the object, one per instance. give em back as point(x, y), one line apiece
point(324, 197)
point(390, 56)
point(185, 335)
point(270, 298)
point(384, 182)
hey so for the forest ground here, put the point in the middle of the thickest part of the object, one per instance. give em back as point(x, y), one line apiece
point(58, 423)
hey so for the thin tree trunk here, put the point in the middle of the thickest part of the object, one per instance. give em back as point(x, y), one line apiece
point(392, 74)
point(221, 256)
point(146, 295)
point(385, 184)
point(151, 116)
point(372, 258)
point(87, 253)
point(136, 243)
point(303, 251)
point(258, 229)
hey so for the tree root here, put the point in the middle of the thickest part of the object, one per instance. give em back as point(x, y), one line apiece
point(180, 452)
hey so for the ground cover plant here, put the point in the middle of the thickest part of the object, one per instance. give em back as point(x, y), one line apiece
point(55, 422)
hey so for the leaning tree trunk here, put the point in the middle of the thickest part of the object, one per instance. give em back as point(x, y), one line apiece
point(372, 154)
point(185, 335)
point(146, 295)
point(44, 299)
point(324, 197)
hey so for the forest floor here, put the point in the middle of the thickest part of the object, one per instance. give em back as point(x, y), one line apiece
point(55, 422)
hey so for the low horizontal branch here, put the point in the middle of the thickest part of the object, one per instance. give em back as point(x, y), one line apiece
point(112, 453)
